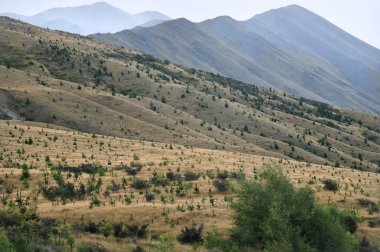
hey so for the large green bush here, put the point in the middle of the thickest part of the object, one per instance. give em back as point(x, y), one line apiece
point(272, 215)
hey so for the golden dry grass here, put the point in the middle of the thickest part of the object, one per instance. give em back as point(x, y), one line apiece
point(161, 157)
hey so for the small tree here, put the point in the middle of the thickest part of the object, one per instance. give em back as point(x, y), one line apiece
point(331, 185)
point(191, 235)
point(272, 215)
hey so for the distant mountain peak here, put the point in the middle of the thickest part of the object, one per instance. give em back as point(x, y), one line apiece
point(102, 4)
point(99, 17)
point(291, 48)
point(182, 22)
point(220, 19)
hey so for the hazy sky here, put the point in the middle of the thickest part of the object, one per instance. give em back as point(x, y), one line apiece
point(359, 17)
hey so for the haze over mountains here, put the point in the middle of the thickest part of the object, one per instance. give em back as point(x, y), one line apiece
point(87, 19)
point(291, 49)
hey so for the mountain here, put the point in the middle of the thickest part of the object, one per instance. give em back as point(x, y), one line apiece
point(290, 49)
point(76, 82)
point(14, 16)
point(62, 25)
point(96, 18)
point(358, 61)
point(147, 16)
point(152, 23)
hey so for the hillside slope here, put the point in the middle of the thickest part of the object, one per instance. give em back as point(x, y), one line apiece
point(75, 82)
point(54, 154)
point(290, 49)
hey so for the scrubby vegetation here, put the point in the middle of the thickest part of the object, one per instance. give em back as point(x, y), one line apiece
point(118, 151)
point(273, 216)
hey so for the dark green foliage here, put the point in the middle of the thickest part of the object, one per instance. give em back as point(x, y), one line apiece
point(138, 249)
point(86, 168)
point(221, 185)
point(331, 185)
point(118, 229)
point(214, 242)
point(274, 216)
point(64, 191)
point(139, 184)
point(25, 173)
point(191, 176)
point(12, 57)
point(132, 170)
point(159, 179)
point(191, 235)
point(23, 230)
point(173, 176)
point(149, 196)
point(136, 231)
point(5, 245)
point(222, 175)
point(84, 247)
point(370, 204)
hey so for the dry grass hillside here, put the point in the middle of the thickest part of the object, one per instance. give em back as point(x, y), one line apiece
point(94, 135)
point(45, 148)
point(72, 81)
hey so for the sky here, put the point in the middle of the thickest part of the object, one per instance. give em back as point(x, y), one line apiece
point(361, 18)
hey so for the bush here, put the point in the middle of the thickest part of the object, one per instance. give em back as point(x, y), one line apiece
point(191, 235)
point(23, 230)
point(92, 227)
point(139, 184)
point(222, 175)
point(214, 242)
point(274, 216)
point(331, 185)
point(136, 231)
point(118, 230)
point(165, 244)
point(173, 176)
point(133, 169)
point(5, 245)
point(370, 204)
point(221, 185)
point(138, 249)
point(64, 191)
point(25, 173)
point(149, 196)
point(159, 179)
point(191, 176)
point(83, 247)
point(86, 168)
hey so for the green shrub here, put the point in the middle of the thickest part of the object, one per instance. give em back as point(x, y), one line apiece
point(330, 185)
point(191, 235)
point(5, 245)
point(139, 184)
point(173, 176)
point(221, 185)
point(191, 176)
point(274, 216)
point(214, 242)
point(165, 244)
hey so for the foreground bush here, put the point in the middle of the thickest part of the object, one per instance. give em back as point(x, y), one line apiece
point(191, 235)
point(21, 229)
point(271, 215)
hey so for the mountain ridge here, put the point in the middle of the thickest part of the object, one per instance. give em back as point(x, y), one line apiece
point(255, 52)
point(76, 82)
